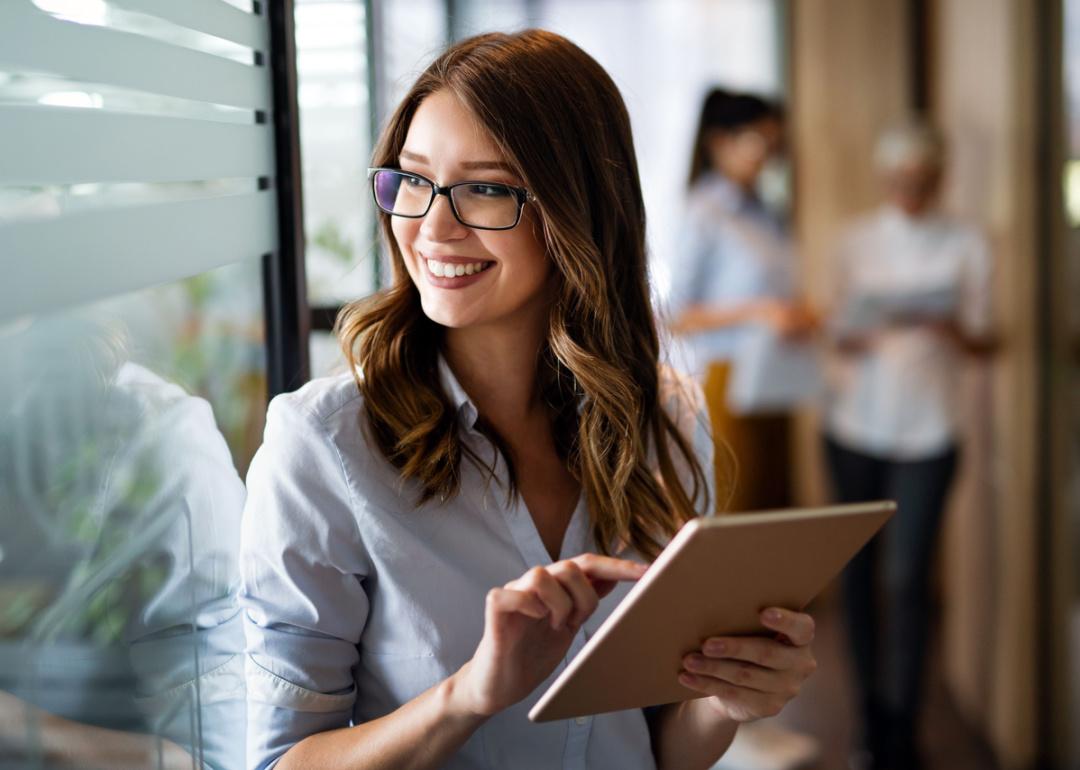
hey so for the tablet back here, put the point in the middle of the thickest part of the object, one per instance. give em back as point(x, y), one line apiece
point(714, 578)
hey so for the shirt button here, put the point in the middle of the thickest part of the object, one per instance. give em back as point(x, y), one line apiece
point(581, 721)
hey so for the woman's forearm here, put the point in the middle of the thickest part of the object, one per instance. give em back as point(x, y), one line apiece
point(706, 317)
point(422, 734)
point(690, 735)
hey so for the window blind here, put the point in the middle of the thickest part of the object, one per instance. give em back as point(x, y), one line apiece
point(134, 146)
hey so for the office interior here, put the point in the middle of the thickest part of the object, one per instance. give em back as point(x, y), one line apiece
point(184, 209)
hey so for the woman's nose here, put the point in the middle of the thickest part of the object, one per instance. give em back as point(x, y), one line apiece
point(440, 224)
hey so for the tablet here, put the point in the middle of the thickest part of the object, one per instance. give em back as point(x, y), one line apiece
point(713, 579)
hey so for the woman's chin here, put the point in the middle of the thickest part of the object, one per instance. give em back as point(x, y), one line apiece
point(450, 317)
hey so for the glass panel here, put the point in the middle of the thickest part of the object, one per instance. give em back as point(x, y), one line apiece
point(475, 16)
point(326, 356)
point(125, 429)
point(335, 141)
point(96, 13)
point(414, 33)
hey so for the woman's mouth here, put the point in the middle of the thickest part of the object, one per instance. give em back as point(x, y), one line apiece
point(455, 269)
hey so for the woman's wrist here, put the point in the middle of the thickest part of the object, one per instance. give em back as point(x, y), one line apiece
point(701, 713)
point(454, 700)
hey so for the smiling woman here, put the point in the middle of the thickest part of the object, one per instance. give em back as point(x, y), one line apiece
point(429, 537)
point(472, 225)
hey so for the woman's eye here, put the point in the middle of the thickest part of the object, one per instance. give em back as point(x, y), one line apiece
point(413, 181)
point(488, 190)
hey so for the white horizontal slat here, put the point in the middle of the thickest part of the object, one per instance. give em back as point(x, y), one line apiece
point(31, 39)
point(214, 17)
point(62, 145)
point(55, 263)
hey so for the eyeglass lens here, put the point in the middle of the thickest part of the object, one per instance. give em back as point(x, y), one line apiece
point(478, 204)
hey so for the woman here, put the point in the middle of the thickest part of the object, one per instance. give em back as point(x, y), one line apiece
point(732, 273)
point(424, 545)
point(911, 292)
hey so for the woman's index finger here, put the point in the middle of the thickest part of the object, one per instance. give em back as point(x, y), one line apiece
point(602, 568)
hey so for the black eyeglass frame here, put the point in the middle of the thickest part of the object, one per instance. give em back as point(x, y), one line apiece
point(523, 196)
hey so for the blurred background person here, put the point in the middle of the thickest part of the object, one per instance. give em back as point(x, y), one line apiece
point(910, 291)
point(732, 271)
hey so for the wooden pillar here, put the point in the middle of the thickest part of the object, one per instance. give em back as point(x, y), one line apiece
point(984, 97)
point(850, 76)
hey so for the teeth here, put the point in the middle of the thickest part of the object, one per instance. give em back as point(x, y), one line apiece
point(450, 270)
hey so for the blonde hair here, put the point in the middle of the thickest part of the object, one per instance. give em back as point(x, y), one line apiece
point(912, 141)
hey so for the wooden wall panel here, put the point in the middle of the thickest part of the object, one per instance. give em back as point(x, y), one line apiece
point(984, 97)
point(850, 77)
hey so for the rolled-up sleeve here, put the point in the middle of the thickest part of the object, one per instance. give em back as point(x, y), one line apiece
point(302, 566)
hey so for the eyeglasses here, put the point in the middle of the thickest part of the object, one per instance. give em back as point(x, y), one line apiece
point(480, 205)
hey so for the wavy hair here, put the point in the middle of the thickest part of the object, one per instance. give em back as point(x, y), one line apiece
point(561, 124)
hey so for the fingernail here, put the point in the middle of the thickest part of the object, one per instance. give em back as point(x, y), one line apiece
point(716, 647)
point(772, 615)
point(686, 679)
point(693, 661)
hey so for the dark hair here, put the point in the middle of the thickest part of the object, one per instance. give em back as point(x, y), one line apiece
point(727, 111)
point(562, 125)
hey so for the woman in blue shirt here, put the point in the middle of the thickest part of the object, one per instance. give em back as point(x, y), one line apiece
point(429, 537)
point(733, 271)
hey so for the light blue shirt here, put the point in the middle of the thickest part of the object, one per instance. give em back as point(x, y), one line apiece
point(729, 250)
point(357, 601)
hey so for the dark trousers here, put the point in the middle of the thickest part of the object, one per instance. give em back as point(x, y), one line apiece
point(889, 642)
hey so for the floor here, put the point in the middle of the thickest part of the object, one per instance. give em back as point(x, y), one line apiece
point(824, 710)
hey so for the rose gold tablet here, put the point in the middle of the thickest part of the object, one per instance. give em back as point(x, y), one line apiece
point(714, 578)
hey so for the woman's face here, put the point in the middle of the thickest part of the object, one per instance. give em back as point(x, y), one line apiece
point(740, 155)
point(913, 187)
point(506, 270)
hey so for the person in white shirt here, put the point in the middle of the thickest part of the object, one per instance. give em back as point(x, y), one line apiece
point(428, 537)
point(911, 297)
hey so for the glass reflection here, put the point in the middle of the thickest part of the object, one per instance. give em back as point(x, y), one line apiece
point(120, 643)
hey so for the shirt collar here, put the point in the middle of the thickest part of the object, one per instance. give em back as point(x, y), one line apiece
point(459, 399)
point(894, 216)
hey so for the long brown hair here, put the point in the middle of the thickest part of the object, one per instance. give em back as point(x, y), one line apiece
point(562, 126)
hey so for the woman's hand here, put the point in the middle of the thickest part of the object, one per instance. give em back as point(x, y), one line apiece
point(698, 318)
point(788, 319)
point(750, 677)
point(528, 626)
